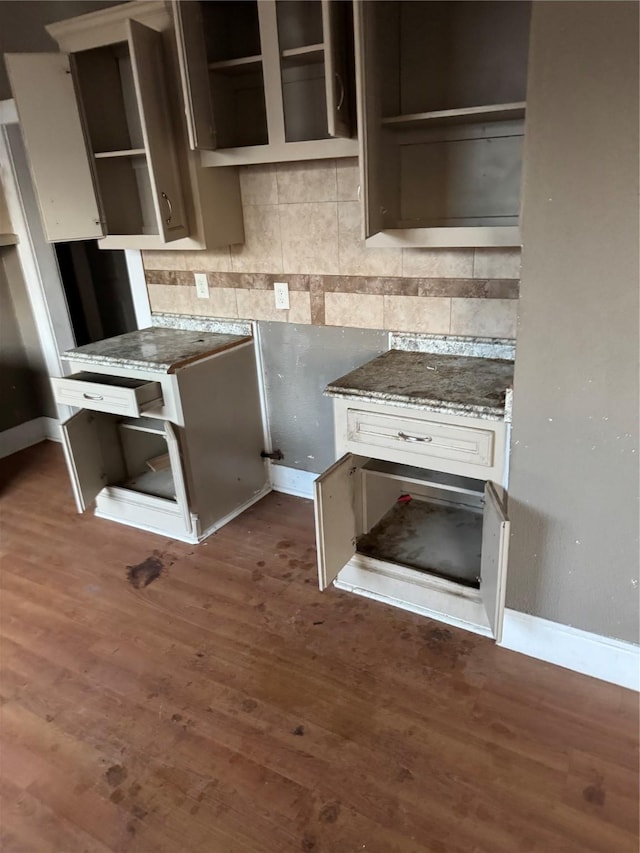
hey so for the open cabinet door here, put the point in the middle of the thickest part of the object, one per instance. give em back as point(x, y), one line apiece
point(177, 472)
point(194, 73)
point(145, 46)
point(82, 450)
point(370, 146)
point(62, 173)
point(335, 515)
point(336, 68)
point(493, 565)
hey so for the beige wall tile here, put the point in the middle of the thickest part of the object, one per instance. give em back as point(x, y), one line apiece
point(169, 299)
point(221, 302)
point(212, 260)
point(163, 260)
point(354, 257)
point(355, 310)
point(309, 238)
point(262, 249)
point(348, 175)
point(260, 305)
point(258, 184)
point(437, 263)
point(417, 314)
point(496, 263)
point(310, 180)
point(491, 318)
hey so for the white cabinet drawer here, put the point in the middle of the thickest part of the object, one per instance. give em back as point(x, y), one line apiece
point(119, 395)
point(425, 439)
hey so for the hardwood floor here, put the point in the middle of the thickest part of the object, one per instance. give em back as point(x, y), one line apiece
point(230, 707)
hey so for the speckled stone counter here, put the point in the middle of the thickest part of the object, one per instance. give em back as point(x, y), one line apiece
point(449, 384)
point(158, 350)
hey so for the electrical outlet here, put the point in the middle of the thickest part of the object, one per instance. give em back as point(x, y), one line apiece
point(202, 285)
point(281, 290)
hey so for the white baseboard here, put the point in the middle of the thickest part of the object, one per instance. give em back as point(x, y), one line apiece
point(52, 429)
point(291, 481)
point(25, 435)
point(572, 648)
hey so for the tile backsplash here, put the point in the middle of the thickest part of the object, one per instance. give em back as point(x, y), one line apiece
point(302, 225)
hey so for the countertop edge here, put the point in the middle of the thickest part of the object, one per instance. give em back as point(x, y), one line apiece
point(443, 407)
point(149, 367)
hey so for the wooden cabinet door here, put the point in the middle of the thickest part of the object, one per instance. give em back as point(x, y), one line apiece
point(371, 155)
point(336, 69)
point(177, 472)
point(145, 46)
point(83, 454)
point(493, 564)
point(51, 127)
point(194, 76)
point(335, 517)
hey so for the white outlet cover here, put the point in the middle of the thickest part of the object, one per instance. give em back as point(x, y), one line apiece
point(202, 285)
point(281, 291)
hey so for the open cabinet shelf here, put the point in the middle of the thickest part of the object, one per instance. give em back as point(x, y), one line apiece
point(441, 106)
point(267, 81)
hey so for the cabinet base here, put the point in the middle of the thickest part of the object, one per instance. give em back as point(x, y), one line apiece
point(173, 526)
point(432, 597)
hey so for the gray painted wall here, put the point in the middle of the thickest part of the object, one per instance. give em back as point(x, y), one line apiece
point(574, 470)
point(22, 26)
point(24, 387)
point(299, 361)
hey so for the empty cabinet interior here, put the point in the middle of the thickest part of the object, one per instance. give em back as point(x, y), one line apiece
point(421, 519)
point(443, 104)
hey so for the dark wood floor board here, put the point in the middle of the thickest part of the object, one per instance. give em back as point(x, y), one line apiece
point(230, 707)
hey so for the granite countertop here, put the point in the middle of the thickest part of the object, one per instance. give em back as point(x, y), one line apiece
point(449, 384)
point(159, 350)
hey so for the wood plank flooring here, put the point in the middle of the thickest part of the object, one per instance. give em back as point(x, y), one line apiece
point(230, 707)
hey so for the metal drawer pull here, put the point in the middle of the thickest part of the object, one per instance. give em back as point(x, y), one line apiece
point(342, 93)
point(170, 206)
point(406, 437)
point(92, 396)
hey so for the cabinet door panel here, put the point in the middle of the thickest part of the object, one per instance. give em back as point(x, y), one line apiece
point(148, 74)
point(81, 443)
point(374, 166)
point(177, 471)
point(336, 72)
point(51, 127)
point(335, 516)
point(194, 74)
point(493, 565)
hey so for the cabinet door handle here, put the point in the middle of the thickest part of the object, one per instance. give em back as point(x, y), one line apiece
point(170, 206)
point(341, 98)
point(406, 437)
point(92, 396)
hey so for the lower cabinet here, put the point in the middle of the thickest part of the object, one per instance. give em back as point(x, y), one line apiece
point(175, 453)
point(132, 468)
point(428, 540)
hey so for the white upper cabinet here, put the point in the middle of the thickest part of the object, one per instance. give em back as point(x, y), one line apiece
point(99, 139)
point(267, 80)
point(441, 92)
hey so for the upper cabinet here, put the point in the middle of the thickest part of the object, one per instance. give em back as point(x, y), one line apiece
point(96, 123)
point(107, 155)
point(267, 80)
point(441, 102)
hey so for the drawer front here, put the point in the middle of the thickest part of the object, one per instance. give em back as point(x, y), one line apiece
point(426, 439)
point(118, 395)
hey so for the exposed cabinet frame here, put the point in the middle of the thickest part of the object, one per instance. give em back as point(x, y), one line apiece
point(200, 102)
